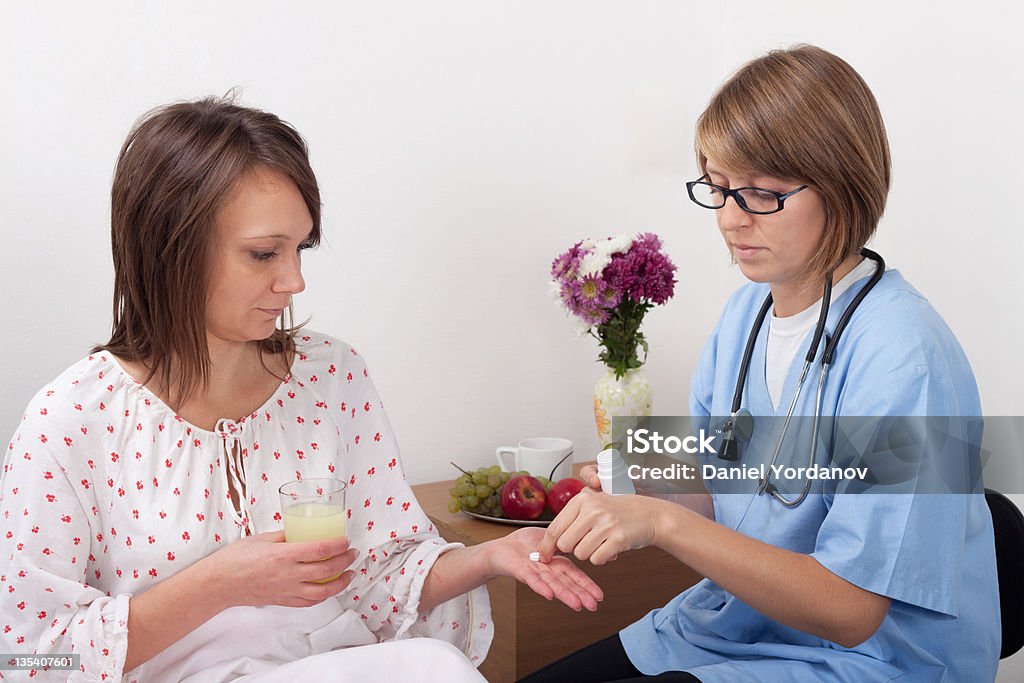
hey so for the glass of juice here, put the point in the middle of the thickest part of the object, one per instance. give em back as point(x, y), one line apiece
point(313, 510)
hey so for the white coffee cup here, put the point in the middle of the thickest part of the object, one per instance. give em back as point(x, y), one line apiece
point(538, 456)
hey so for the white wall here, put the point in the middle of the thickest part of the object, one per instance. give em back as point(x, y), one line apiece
point(461, 145)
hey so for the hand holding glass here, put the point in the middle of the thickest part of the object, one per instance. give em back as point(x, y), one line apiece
point(313, 510)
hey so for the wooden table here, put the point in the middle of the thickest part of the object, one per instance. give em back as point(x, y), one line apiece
point(530, 631)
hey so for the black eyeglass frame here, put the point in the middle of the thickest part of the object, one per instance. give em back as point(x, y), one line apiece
point(737, 197)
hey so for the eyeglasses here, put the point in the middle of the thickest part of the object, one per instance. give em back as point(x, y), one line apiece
point(750, 199)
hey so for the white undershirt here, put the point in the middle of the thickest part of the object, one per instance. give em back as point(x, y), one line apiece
point(786, 335)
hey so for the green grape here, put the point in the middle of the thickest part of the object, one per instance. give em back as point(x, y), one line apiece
point(494, 481)
point(483, 490)
point(505, 476)
point(453, 491)
point(461, 480)
point(491, 502)
point(453, 505)
point(545, 482)
point(479, 477)
point(471, 501)
point(493, 469)
point(498, 512)
point(466, 488)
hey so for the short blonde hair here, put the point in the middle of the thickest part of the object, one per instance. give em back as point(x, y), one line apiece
point(803, 114)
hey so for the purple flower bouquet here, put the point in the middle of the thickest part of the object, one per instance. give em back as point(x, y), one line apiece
point(608, 286)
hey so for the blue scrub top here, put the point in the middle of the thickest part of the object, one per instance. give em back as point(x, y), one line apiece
point(932, 554)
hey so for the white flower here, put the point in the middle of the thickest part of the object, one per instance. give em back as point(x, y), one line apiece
point(594, 262)
point(599, 253)
point(616, 245)
point(579, 327)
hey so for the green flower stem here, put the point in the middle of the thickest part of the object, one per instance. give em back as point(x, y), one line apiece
point(620, 336)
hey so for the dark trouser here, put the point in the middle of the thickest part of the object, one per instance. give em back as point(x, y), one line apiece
point(603, 662)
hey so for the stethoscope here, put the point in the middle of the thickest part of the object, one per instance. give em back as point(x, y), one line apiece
point(740, 426)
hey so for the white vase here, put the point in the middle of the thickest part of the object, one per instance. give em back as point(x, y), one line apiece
point(630, 396)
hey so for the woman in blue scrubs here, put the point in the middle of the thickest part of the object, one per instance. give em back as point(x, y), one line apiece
point(843, 586)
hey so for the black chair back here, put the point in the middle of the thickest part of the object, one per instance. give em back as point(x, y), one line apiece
point(1008, 523)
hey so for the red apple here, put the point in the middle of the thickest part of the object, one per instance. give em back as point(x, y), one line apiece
point(523, 497)
point(562, 491)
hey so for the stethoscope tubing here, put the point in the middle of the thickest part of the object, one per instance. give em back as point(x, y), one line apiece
point(729, 447)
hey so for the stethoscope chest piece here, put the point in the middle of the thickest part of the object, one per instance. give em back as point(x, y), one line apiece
point(738, 427)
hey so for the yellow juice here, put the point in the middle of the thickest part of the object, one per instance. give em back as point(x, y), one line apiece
point(314, 522)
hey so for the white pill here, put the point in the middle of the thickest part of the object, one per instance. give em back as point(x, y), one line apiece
point(535, 556)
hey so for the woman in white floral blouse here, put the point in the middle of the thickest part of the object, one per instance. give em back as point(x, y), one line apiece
point(141, 520)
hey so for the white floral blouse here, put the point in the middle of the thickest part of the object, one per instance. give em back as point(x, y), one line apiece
point(106, 492)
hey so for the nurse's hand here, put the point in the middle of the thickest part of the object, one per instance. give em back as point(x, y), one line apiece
point(597, 527)
point(559, 578)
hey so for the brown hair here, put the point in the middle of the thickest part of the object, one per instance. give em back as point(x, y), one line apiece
point(805, 115)
point(177, 167)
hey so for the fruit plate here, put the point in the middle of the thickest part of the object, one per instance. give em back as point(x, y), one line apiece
point(506, 520)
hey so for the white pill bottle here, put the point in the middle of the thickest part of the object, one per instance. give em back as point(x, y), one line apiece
point(611, 470)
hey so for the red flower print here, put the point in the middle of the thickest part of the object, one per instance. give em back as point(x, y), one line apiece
point(152, 572)
point(66, 519)
point(277, 516)
point(349, 378)
point(170, 556)
point(390, 500)
point(314, 446)
point(42, 437)
point(369, 525)
point(200, 516)
point(357, 439)
point(331, 370)
point(67, 441)
point(163, 514)
point(352, 481)
point(313, 379)
point(343, 407)
point(371, 471)
point(277, 456)
point(405, 506)
point(366, 503)
point(392, 463)
point(330, 468)
point(110, 428)
point(300, 420)
point(376, 437)
point(151, 540)
point(366, 406)
point(48, 475)
point(138, 485)
point(185, 536)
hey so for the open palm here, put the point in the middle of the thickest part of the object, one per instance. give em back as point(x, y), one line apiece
point(560, 578)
